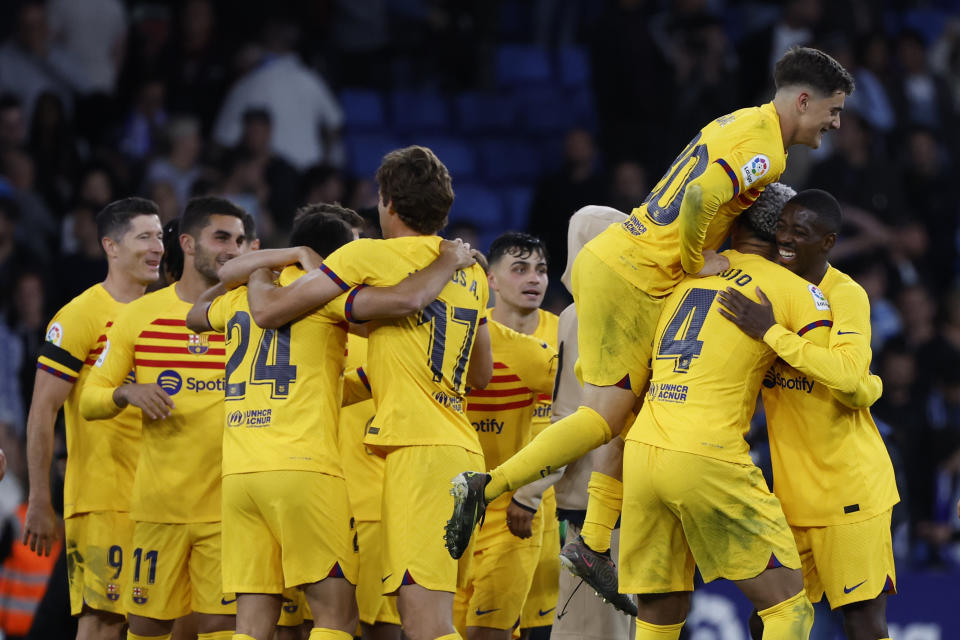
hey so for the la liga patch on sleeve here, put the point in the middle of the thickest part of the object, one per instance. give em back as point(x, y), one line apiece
point(55, 333)
point(756, 168)
point(819, 300)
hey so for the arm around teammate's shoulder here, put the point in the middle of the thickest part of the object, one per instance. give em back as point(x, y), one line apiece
point(273, 306)
point(197, 320)
point(702, 199)
point(480, 369)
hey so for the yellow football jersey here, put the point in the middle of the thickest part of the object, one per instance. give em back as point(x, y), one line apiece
point(417, 364)
point(830, 465)
point(101, 455)
point(362, 468)
point(706, 372)
point(178, 474)
point(547, 331)
point(645, 249)
point(524, 367)
point(282, 387)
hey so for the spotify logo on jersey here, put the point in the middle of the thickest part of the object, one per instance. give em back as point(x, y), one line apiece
point(170, 381)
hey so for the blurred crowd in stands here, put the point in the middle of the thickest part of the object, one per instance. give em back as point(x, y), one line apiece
point(537, 106)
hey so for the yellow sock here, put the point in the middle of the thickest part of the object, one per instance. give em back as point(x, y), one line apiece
point(241, 636)
point(650, 631)
point(562, 442)
point(319, 633)
point(132, 636)
point(450, 636)
point(222, 635)
point(603, 510)
point(790, 619)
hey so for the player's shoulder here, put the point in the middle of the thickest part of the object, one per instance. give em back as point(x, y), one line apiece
point(149, 304)
point(838, 283)
point(501, 334)
point(86, 306)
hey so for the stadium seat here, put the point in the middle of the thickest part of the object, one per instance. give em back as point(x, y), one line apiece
point(479, 112)
point(479, 205)
point(517, 205)
point(545, 110)
point(574, 67)
point(363, 109)
point(929, 22)
point(509, 160)
point(419, 111)
point(456, 154)
point(522, 65)
point(366, 150)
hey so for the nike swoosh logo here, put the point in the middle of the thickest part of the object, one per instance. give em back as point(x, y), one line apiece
point(480, 612)
point(844, 333)
point(846, 590)
point(541, 612)
point(385, 579)
point(225, 602)
point(588, 561)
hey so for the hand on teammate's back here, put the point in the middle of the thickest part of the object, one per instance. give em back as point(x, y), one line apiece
point(713, 263)
point(40, 527)
point(309, 259)
point(459, 250)
point(152, 400)
point(753, 318)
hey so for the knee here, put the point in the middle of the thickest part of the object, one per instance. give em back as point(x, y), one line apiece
point(664, 608)
point(865, 621)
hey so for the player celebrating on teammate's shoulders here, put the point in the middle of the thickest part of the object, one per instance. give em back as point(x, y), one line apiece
point(621, 278)
point(831, 469)
point(419, 368)
point(283, 489)
point(508, 545)
point(102, 455)
point(179, 389)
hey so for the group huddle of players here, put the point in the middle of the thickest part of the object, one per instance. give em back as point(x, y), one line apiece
point(272, 437)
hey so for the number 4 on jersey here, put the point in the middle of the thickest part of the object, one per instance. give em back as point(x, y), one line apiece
point(680, 338)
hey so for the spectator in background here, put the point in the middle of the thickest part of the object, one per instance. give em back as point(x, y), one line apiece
point(54, 150)
point(13, 127)
point(180, 166)
point(919, 95)
point(37, 228)
point(279, 175)
point(28, 318)
point(558, 195)
point(94, 34)
point(919, 311)
point(324, 183)
point(871, 73)
point(630, 187)
point(244, 185)
point(196, 63)
point(142, 130)
point(86, 264)
point(945, 58)
point(96, 185)
point(884, 318)
point(165, 196)
point(928, 180)
point(14, 256)
point(31, 64)
point(306, 115)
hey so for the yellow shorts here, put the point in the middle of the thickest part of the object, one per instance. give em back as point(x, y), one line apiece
point(295, 524)
point(848, 562)
point(682, 510)
point(501, 572)
point(616, 324)
point(540, 607)
point(176, 570)
point(98, 559)
point(374, 606)
point(416, 505)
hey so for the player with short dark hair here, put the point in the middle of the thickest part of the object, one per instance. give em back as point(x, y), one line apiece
point(179, 390)
point(348, 215)
point(832, 472)
point(102, 454)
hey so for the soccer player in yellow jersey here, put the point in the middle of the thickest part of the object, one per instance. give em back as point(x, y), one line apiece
point(419, 370)
point(284, 493)
point(832, 472)
point(101, 455)
point(692, 496)
point(622, 276)
point(179, 389)
point(507, 549)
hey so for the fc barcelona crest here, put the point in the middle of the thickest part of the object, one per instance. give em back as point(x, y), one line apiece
point(139, 595)
point(113, 592)
point(198, 344)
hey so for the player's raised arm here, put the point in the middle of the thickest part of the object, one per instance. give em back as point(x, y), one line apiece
point(237, 270)
point(480, 369)
point(416, 291)
point(701, 201)
point(273, 306)
point(49, 394)
point(197, 320)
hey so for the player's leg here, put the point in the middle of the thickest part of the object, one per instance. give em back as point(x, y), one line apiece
point(159, 591)
point(382, 631)
point(606, 496)
point(216, 611)
point(333, 603)
point(379, 618)
point(540, 606)
point(291, 615)
point(655, 559)
point(257, 614)
point(99, 625)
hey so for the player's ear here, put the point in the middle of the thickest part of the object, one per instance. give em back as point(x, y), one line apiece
point(829, 240)
point(109, 246)
point(803, 101)
point(187, 243)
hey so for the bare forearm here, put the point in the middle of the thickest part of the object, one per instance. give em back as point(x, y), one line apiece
point(238, 270)
point(40, 425)
point(197, 316)
point(409, 296)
